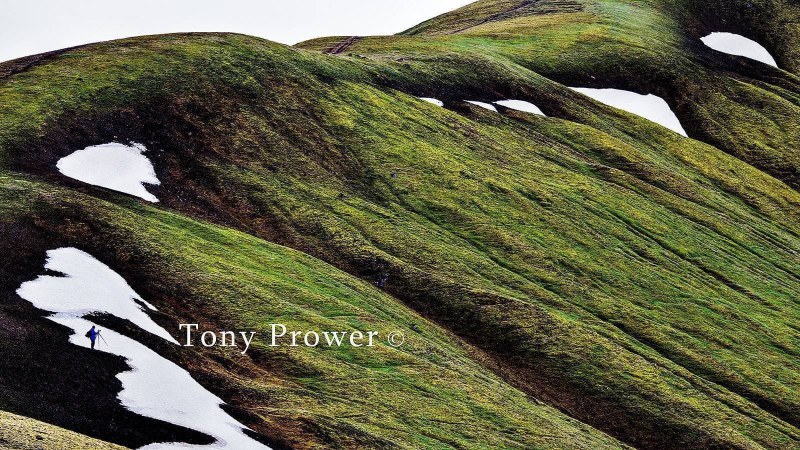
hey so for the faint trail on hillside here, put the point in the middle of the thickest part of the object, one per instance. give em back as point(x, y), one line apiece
point(498, 16)
point(557, 6)
point(342, 46)
point(18, 65)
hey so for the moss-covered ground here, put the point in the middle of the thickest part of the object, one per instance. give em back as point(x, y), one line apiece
point(23, 433)
point(586, 267)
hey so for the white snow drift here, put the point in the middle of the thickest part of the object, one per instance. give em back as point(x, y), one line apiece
point(154, 387)
point(521, 105)
point(89, 286)
point(435, 101)
point(735, 44)
point(484, 105)
point(115, 166)
point(649, 106)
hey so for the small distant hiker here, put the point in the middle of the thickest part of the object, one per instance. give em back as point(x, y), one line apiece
point(93, 334)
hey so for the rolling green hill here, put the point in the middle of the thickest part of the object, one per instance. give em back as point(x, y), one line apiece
point(584, 280)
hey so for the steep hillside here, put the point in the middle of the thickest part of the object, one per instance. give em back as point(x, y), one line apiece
point(417, 396)
point(28, 434)
point(744, 108)
point(581, 280)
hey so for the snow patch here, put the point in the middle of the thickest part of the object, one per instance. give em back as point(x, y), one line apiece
point(521, 105)
point(484, 105)
point(88, 286)
point(435, 101)
point(115, 166)
point(650, 106)
point(738, 45)
point(154, 387)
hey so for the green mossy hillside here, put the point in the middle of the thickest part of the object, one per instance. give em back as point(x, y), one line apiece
point(642, 283)
point(745, 108)
point(23, 433)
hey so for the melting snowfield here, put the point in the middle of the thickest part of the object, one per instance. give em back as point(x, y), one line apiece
point(649, 106)
point(435, 101)
point(483, 105)
point(738, 45)
point(154, 387)
point(114, 166)
point(521, 105)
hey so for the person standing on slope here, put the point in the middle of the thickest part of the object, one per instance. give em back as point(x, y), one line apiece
point(93, 334)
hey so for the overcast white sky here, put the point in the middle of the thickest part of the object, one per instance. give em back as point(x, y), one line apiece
point(33, 26)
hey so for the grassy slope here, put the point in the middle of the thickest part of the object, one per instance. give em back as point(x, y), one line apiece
point(745, 108)
point(23, 433)
point(617, 271)
point(429, 393)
